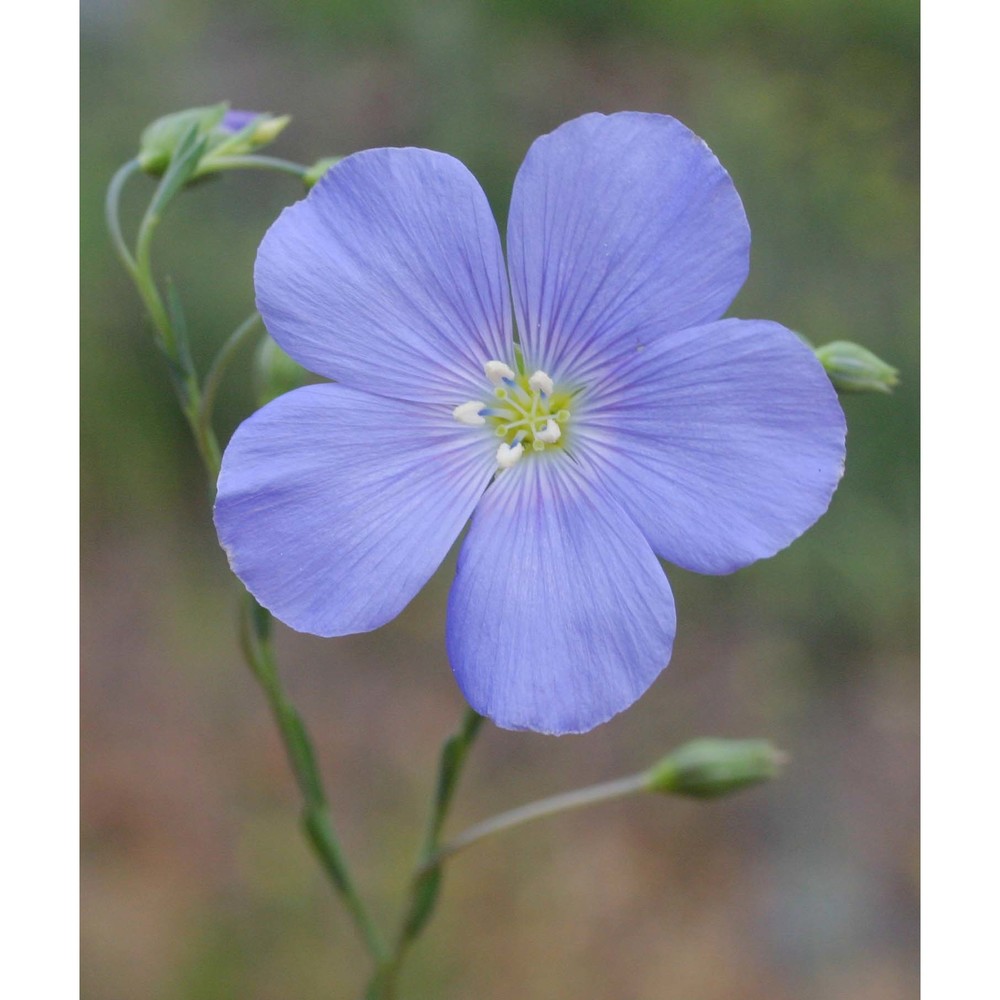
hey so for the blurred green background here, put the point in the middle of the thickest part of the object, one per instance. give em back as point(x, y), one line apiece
point(195, 881)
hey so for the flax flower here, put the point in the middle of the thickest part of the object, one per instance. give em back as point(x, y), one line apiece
point(624, 420)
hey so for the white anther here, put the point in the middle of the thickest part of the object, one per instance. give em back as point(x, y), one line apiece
point(497, 371)
point(550, 433)
point(507, 456)
point(540, 382)
point(468, 413)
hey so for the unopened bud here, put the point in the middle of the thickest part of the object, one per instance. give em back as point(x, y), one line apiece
point(707, 768)
point(235, 120)
point(160, 139)
point(853, 368)
point(228, 133)
point(275, 373)
point(239, 133)
point(249, 130)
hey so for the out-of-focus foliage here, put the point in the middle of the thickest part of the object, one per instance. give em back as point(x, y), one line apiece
point(196, 884)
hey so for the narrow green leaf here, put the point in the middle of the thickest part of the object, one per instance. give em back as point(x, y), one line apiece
point(178, 322)
point(182, 167)
point(426, 890)
point(319, 832)
point(301, 749)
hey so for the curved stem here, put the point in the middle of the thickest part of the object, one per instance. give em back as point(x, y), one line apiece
point(147, 284)
point(111, 213)
point(593, 794)
point(228, 351)
point(137, 264)
point(171, 341)
point(255, 622)
point(171, 332)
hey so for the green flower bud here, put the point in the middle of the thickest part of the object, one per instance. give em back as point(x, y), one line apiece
point(229, 133)
point(275, 373)
point(242, 132)
point(160, 140)
point(318, 169)
point(267, 128)
point(708, 768)
point(853, 368)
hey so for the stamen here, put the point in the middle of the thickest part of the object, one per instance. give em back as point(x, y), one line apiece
point(471, 413)
point(526, 413)
point(507, 455)
point(541, 382)
point(550, 433)
point(497, 371)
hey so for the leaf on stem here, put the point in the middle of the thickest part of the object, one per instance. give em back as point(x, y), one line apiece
point(426, 888)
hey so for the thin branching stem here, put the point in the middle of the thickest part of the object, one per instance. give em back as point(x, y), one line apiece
point(316, 820)
point(218, 368)
point(426, 883)
point(576, 799)
point(255, 622)
point(259, 163)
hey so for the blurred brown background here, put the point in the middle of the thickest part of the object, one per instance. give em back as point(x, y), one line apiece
point(196, 882)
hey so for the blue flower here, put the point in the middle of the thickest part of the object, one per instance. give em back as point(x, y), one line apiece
point(627, 421)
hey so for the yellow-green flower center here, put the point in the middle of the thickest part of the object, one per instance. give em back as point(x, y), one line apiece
point(528, 412)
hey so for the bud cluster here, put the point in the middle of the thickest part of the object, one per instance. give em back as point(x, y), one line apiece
point(226, 132)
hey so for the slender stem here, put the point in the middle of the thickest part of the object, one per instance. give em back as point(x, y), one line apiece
point(223, 359)
point(147, 284)
point(137, 264)
point(316, 821)
point(593, 794)
point(453, 756)
point(111, 213)
point(255, 622)
point(256, 162)
point(426, 883)
point(172, 342)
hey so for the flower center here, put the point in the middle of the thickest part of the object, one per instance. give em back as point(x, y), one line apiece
point(527, 412)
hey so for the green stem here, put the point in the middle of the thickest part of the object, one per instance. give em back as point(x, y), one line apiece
point(256, 162)
point(316, 821)
point(453, 756)
point(210, 387)
point(255, 622)
point(426, 884)
point(147, 284)
point(171, 341)
point(576, 799)
point(112, 202)
point(138, 264)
